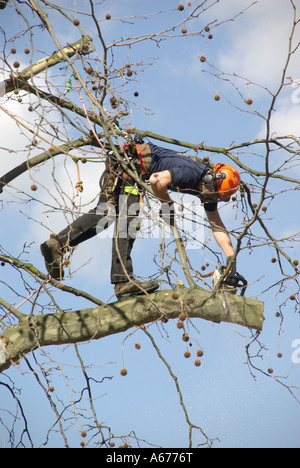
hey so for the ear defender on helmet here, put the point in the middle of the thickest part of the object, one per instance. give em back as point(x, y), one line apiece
point(224, 179)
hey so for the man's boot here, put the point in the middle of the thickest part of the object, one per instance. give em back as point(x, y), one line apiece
point(53, 253)
point(135, 288)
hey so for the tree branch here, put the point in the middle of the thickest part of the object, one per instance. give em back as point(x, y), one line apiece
point(29, 268)
point(227, 151)
point(11, 309)
point(40, 158)
point(95, 323)
point(18, 81)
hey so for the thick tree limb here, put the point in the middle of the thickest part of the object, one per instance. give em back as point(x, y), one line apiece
point(41, 158)
point(17, 81)
point(11, 309)
point(95, 323)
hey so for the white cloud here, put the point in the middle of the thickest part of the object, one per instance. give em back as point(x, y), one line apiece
point(12, 137)
point(53, 202)
point(286, 120)
point(257, 41)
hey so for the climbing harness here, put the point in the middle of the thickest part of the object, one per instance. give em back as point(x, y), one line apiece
point(137, 157)
point(137, 154)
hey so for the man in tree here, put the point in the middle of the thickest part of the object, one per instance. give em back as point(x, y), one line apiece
point(166, 170)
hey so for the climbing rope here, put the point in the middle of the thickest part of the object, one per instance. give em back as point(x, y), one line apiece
point(37, 291)
point(79, 183)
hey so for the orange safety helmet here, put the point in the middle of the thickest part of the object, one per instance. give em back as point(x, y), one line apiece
point(224, 179)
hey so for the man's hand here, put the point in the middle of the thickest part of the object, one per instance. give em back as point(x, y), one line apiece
point(232, 263)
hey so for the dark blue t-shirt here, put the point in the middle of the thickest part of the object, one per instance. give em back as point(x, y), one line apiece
point(186, 173)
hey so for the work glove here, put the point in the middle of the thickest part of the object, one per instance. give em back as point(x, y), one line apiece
point(232, 271)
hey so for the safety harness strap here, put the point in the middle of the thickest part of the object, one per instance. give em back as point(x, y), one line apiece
point(145, 158)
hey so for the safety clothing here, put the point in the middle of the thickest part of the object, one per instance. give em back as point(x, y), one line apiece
point(97, 220)
point(225, 180)
point(186, 173)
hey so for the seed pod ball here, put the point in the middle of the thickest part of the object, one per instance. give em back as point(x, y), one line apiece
point(185, 337)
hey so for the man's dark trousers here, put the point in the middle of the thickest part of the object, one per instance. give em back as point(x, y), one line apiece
point(124, 212)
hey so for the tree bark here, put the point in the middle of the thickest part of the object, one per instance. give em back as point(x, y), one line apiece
point(17, 81)
point(95, 323)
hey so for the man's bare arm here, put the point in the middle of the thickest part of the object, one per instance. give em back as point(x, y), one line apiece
point(160, 183)
point(220, 232)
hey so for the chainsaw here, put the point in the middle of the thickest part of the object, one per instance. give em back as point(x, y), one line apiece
point(231, 283)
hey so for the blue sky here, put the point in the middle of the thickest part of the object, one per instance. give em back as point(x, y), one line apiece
point(221, 396)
